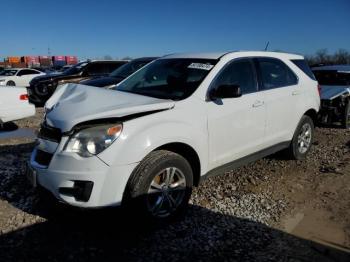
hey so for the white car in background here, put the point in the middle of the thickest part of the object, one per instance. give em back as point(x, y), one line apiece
point(18, 76)
point(14, 104)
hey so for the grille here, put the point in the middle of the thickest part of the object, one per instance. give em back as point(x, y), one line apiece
point(50, 133)
point(43, 158)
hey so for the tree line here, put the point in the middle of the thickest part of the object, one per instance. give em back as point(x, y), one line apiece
point(339, 57)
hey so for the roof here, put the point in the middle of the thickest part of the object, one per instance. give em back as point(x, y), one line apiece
point(145, 58)
point(218, 55)
point(332, 67)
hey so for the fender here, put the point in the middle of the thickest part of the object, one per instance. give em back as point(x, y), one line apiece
point(138, 140)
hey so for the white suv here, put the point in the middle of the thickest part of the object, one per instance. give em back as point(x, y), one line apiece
point(180, 119)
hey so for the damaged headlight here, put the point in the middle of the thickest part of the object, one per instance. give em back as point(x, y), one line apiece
point(93, 140)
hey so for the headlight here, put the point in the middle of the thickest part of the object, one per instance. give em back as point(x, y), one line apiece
point(93, 140)
point(2, 82)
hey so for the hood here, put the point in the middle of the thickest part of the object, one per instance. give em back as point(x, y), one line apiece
point(50, 77)
point(72, 104)
point(331, 92)
point(101, 81)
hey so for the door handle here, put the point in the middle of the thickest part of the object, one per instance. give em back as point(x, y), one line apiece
point(295, 93)
point(258, 103)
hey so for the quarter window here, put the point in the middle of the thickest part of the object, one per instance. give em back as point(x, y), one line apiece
point(241, 73)
point(275, 73)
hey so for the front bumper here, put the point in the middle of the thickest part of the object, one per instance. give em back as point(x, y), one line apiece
point(82, 182)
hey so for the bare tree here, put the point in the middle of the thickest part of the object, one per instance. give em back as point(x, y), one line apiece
point(341, 56)
point(107, 57)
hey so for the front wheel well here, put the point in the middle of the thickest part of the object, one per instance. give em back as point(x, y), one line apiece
point(189, 154)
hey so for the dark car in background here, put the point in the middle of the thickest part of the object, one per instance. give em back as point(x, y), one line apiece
point(335, 94)
point(41, 88)
point(119, 74)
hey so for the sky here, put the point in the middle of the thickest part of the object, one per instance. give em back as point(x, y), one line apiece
point(91, 29)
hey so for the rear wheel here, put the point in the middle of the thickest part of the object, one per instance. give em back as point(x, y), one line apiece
point(346, 117)
point(11, 83)
point(302, 139)
point(160, 187)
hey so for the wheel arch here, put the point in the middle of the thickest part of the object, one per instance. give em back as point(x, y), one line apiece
point(189, 154)
point(312, 113)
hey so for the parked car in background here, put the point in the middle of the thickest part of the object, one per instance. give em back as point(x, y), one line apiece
point(119, 74)
point(41, 88)
point(335, 94)
point(14, 104)
point(18, 76)
point(64, 68)
point(173, 123)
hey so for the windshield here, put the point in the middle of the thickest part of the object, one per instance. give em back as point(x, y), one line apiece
point(8, 72)
point(75, 69)
point(127, 69)
point(332, 77)
point(174, 79)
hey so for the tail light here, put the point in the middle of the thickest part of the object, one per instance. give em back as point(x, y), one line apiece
point(23, 97)
point(319, 89)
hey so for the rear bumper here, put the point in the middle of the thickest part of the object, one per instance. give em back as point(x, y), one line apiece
point(18, 112)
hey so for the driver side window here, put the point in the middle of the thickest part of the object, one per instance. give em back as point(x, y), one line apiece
point(241, 73)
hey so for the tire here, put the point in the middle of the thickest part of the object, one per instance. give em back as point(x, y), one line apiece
point(11, 83)
point(346, 116)
point(150, 195)
point(302, 140)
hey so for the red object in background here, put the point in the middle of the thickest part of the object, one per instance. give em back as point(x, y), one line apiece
point(45, 61)
point(23, 97)
point(319, 89)
point(71, 60)
point(59, 58)
point(31, 60)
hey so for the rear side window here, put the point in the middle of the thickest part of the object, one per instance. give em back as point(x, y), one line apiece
point(275, 73)
point(110, 67)
point(301, 63)
point(95, 69)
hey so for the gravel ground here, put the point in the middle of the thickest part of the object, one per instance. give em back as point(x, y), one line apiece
point(239, 216)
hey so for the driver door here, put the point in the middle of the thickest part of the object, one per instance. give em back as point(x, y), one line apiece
point(236, 125)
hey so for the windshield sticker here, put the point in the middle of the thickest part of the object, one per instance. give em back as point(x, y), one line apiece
point(200, 66)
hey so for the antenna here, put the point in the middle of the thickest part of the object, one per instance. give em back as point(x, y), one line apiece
point(267, 45)
point(48, 50)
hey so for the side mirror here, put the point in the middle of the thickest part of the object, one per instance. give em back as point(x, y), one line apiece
point(225, 91)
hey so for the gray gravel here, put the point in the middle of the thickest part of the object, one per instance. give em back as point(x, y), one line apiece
point(230, 217)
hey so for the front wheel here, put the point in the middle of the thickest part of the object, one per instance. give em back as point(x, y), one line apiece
point(11, 83)
point(346, 117)
point(302, 139)
point(160, 187)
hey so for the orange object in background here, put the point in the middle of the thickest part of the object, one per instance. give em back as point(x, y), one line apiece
point(14, 59)
point(18, 65)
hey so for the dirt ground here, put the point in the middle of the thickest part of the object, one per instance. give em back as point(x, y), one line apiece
point(271, 210)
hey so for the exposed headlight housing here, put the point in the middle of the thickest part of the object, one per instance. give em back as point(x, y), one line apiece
point(93, 140)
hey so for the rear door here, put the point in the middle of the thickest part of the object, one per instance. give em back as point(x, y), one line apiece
point(236, 125)
point(280, 89)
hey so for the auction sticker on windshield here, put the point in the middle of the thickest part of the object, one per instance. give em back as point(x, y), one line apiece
point(200, 66)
